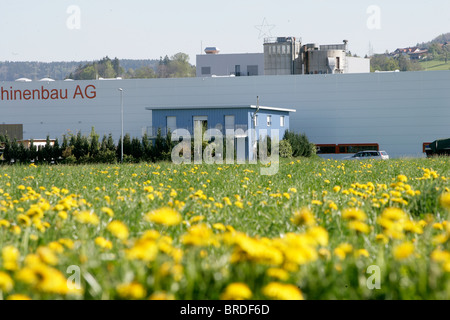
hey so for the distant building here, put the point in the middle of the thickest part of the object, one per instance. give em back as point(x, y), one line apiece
point(239, 65)
point(282, 56)
point(415, 53)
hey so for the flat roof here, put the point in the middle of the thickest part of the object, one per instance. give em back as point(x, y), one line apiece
point(222, 107)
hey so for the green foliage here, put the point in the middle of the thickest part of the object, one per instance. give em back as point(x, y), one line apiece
point(301, 147)
point(285, 149)
point(381, 62)
point(105, 68)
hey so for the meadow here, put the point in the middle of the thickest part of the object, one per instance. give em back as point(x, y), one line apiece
point(316, 230)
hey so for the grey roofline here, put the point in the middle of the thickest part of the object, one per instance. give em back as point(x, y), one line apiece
point(221, 107)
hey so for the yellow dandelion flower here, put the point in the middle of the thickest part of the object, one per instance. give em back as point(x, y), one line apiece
point(6, 282)
point(24, 219)
point(359, 226)
point(278, 273)
point(332, 205)
point(118, 229)
point(196, 219)
point(219, 226)
point(236, 291)
point(161, 296)
point(324, 253)
point(445, 200)
point(68, 243)
point(108, 211)
point(16, 230)
point(394, 214)
point(62, 214)
point(354, 214)
point(4, 223)
point(304, 217)
point(382, 238)
point(165, 216)
point(438, 226)
point(440, 239)
point(403, 251)
point(18, 297)
point(362, 253)
point(87, 217)
point(336, 189)
point(199, 235)
point(281, 291)
point(239, 204)
point(342, 250)
point(132, 291)
point(47, 256)
point(402, 178)
point(440, 256)
point(150, 235)
point(10, 256)
point(319, 235)
point(143, 249)
point(103, 243)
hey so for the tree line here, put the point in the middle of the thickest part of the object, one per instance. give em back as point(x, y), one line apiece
point(165, 67)
point(82, 149)
point(177, 66)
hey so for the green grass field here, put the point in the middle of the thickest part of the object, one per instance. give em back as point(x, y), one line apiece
point(435, 65)
point(315, 230)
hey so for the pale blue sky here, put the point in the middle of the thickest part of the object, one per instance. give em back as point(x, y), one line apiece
point(37, 30)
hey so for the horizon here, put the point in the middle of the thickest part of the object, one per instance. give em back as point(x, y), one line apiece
point(81, 30)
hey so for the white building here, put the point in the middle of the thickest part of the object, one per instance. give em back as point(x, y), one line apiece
point(239, 64)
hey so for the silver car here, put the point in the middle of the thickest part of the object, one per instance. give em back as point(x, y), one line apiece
point(369, 154)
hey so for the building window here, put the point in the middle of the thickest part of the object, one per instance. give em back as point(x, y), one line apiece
point(206, 70)
point(171, 123)
point(229, 123)
point(269, 121)
point(282, 121)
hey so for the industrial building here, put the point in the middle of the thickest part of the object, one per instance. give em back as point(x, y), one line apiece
point(397, 112)
point(282, 56)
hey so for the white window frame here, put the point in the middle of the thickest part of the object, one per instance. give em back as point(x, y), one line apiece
point(269, 120)
point(167, 123)
point(282, 121)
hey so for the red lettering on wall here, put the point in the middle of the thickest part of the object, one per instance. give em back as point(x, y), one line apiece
point(78, 92)
point(90, 94)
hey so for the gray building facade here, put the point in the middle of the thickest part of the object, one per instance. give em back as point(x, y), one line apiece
point(397, 111)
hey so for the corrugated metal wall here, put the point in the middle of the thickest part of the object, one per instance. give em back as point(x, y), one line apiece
point(399, 111)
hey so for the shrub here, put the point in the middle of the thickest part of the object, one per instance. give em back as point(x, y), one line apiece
point(301, 147)
point(285, 149)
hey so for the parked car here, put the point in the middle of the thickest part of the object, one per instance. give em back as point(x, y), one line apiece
point(369, 154)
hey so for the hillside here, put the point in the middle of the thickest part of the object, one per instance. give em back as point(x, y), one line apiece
point(426, 56)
